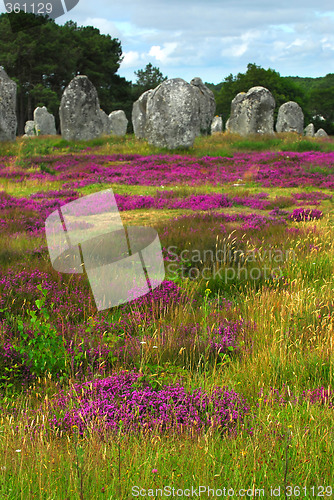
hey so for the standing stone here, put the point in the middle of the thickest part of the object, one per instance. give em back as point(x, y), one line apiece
point(217, 124)
point(252, 112)
point(309, 130)
point(207, 105)
point(29, 128)
point(290, 118)
point(8, 121)
point(235, 111)
point(44, 122)
point(105, 122)
point(139, 115)
point(173, 115)
point(321, 133)
point(79, 111)
point(119, 122)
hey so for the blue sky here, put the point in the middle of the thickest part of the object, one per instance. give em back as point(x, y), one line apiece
point(213, 38)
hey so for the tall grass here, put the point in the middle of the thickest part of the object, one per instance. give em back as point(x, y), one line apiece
point(282, 348)
point(219, 144)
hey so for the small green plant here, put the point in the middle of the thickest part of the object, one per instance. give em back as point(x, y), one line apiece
point(206, 305)
point(318, 169)
point(302, 146)
point(46, 169)
point(9, 375)
point(256, 145)
point(46, 349)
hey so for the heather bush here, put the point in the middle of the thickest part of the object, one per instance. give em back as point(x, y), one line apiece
point(126, 402)
point(15, 368)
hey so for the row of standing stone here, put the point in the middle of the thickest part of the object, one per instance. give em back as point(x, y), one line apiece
point(81, 117)
point(44, 124)
point(157, 112)
point(172, 115)
point(253, 113)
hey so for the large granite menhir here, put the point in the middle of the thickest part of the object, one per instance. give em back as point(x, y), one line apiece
point(8, 121)
point(290, 118)
point(173, 115)
point(79, 111)
point(139, 115)
point(29, 129)
point(321, 133)
point(252, 112)
point(105, 122)
point(207, 105)
point(44, 122)
point(217, 124)
point(118, 122)
point(309, 130)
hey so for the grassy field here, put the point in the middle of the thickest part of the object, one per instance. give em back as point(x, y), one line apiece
point(220, 378)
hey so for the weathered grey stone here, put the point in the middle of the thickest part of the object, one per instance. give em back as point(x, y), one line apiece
point(106, 122)
point(139, 115)
point(79, 111)
point(44, 122)
point(252, 112)
point(29, 128)
point(207, 105)
point(8, 121)
point(290, 118)
point(119, 122)
point(235, 109)
point(217, 124)
point(173, 115)
point(321, 133)
point(309, 130)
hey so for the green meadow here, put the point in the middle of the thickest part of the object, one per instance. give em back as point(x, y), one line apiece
point(258, 323)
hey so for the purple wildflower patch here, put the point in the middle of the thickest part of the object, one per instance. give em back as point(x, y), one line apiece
point(121, 403)
point(280, 169)
point(301, 214)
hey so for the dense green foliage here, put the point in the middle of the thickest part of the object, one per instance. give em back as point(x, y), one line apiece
point(147, 79)
point(309, 84)
point(42, 61)
point(320, 99)
point(314, 95)
point(283, 90)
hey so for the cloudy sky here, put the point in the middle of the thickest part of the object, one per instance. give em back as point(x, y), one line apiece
point(213, 38)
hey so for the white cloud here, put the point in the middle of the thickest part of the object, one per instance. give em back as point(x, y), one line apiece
point(298, 43)
point(214, 38)
point(238, 46)
point(160, 54)
point(131, 59)
point(234, 50)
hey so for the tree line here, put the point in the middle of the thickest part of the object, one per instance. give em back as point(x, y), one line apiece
point(314, 95)
point(44, 60)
